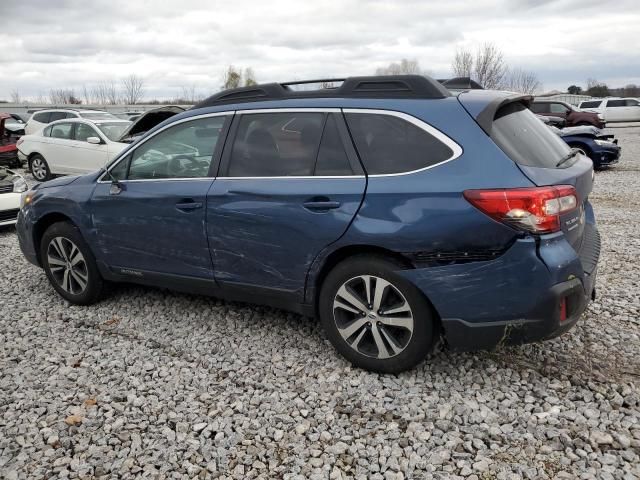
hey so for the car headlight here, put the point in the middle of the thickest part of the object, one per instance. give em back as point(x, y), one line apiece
point(604, 143)
point(26, 198)
point(19, 185)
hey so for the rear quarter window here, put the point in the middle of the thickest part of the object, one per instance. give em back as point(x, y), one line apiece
point(525, 139)
point(388, 144)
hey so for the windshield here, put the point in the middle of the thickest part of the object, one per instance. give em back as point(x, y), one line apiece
point(113, 130)
point(525, 139)
point(97, 115)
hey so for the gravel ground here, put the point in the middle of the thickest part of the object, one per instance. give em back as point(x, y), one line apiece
point(162, 385)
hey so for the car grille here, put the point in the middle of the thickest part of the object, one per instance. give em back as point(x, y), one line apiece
point(6, 188)
point(7, 215)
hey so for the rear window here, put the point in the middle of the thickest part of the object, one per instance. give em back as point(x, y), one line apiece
point(388, 144)
point(590, 104)
point(525, 139)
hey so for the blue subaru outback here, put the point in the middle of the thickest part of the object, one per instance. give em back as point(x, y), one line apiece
point(395, 211)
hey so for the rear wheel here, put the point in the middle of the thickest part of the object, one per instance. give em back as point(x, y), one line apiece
point(70, 265)
point(39, 168)
point(374, 317)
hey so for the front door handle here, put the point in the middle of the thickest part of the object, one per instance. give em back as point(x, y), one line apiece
point(321, 204)
point(188, 206)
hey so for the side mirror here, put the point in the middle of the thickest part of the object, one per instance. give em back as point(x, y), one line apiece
point(94, 140)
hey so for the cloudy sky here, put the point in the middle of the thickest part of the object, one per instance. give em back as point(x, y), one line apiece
point(188, 43)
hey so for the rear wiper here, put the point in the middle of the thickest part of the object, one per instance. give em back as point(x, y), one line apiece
point(568, 157)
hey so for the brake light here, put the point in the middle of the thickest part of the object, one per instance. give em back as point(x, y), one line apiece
point(535, 210)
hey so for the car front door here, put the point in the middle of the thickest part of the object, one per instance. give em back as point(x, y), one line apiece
point(87, 157)
point(558, 110)
point(289, 185)
point(151, 223)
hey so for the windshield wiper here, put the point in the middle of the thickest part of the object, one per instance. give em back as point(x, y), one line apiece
point(567, 157)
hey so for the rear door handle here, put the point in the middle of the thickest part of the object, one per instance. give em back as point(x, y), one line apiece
point(321, 205)
point(188, 206)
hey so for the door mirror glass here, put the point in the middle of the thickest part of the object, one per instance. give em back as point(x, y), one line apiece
point(93, 140)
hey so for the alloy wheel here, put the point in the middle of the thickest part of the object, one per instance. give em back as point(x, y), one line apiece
point(68, 266)
point(39, 169)
point(373, 317)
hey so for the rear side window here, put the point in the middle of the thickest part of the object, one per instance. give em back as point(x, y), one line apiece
point(632, 103)
point(590, 104)
point(276, 144)
point(388, 144)
point(525, 139)
point(42, 117)
point(616, 103)
point(332, 157)
point(540, 107)
point(61, 130)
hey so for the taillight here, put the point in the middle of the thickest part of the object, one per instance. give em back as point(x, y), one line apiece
point(535, 210)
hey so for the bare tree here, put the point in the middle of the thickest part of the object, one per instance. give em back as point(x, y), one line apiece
point(232, 78)
point(85, 95)
point(249, 77)
point(596, 88)
point(15, 96)
point(404, 67)
point(522, 81)
point(490, 69)
point(132, 89)
point(462, 65)
point(63, 96)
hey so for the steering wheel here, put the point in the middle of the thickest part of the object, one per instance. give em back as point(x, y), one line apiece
point(179, 164)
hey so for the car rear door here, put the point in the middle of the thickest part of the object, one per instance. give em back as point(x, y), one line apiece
point(289, 185)
point(58, 150)
point(151, 224)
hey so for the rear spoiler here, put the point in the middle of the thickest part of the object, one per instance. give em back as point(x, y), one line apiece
point(488, 114)
point(460, 83)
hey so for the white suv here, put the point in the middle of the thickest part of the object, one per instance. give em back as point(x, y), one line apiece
point(614, 109)
point(42, 118)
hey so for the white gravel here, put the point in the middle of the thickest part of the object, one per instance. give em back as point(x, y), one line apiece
point(162, 385)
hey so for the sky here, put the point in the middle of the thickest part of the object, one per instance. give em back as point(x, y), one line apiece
point(178, 44)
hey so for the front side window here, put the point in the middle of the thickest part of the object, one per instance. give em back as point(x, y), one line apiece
point(182, 151)
point(388, 144)
point(632, 103)
point(84, 131)
point(540, 107)
point(62, 131)
point(558, 108)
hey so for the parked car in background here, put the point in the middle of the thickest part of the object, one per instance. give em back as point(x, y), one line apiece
point(42, 118)
point(602, 149)
point(8, 147)
point(572, 115)
point(72, 146)
point(395, 211)
point(12, 186)
point(15, 125)
point(614, 109)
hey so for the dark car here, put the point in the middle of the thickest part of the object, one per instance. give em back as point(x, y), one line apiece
point(394, 211)
point(602, 149)
point(572, 115)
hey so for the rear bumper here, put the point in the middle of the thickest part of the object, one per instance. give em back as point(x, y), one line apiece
point(515, 298)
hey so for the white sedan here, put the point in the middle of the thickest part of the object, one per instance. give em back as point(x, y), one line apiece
point(12, 186)
point(72, 146)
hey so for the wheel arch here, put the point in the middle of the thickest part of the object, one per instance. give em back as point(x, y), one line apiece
point(41, 226)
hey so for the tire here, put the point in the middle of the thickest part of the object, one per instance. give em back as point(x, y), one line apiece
point(39, 168)
point(369, 330)
point(79, 283)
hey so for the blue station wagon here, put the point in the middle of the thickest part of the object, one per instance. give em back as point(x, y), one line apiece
point(396, 212)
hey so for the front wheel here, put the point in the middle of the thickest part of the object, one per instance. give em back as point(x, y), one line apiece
point(374, 317)
point(70, 265)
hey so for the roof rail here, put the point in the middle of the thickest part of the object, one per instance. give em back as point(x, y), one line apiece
point(392, 86)
point(460, 83)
